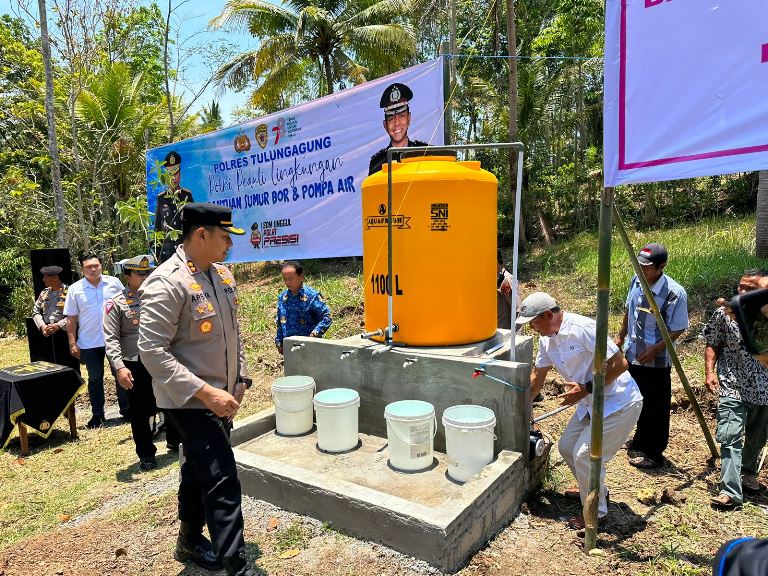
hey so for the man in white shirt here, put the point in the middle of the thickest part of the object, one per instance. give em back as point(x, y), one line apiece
point(84, 308)
point(567, 344)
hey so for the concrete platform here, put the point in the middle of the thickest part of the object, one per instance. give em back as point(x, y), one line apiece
point(424, 514)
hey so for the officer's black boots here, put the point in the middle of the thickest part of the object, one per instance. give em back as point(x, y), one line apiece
point(237, 566)
point(191, 545)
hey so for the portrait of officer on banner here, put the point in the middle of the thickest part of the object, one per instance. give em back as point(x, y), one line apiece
point(397, 119)
point(168, 208)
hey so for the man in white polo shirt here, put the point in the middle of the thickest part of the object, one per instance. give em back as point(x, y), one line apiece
point(567, 344)
point(84, 308)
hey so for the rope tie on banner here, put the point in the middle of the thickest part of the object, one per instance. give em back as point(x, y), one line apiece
point(480, 371)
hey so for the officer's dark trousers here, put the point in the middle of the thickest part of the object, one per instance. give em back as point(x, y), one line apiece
point(142, 403)
point(209, 491)
point(94, 361)
point(652, 434)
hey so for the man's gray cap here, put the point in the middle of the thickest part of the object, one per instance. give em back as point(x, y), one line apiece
point(537, 303)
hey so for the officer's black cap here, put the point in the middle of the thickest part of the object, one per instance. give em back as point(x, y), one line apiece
point(207, 214)
point(173, 158)
point(395, 99)
point(51, 270)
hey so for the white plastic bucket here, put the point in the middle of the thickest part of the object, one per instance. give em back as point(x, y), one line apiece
point(468, 439)
point(336, 412)
point(411, 429)
point(292, 396)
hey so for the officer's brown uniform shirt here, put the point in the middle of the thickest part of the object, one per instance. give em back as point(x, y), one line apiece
point(49, 308)
point(121, 327)
point(188, 334)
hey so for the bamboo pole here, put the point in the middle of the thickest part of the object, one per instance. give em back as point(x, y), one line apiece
point(665, 333)
point(598, 377)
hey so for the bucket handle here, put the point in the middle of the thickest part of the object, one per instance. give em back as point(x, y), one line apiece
point(289, 411)
point(483, 429)
point(394, 431)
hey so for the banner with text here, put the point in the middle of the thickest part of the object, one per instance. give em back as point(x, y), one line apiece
point(293, 179)
point(685, 86)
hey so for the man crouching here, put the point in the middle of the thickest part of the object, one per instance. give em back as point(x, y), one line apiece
point(567, 343)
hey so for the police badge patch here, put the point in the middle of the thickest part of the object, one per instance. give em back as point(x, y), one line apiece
point(261, 135)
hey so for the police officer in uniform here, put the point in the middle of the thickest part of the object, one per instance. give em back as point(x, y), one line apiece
point(121, 335)
point(397, 118)
point(48, 316)
point(301, 310)
point(190, 343)
point(169, 204)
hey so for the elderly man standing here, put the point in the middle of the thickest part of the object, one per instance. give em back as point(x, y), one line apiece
point(649, 362)
point(301, 310)
point(84, 307)
point(741, 384)
point(567, 343)
point(189, 341)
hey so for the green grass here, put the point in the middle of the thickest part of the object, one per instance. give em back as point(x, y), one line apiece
point(706, 258)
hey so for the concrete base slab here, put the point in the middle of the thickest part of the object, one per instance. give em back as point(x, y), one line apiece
point(424, 514)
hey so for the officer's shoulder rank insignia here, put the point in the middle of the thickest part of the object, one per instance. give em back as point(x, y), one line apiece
point(226, 280)
point(130, 294)
point(59, 304)
point(128, 301)
point(191, 266)
point(206, 326)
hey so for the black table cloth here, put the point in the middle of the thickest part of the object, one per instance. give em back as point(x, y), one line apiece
point(35, 394)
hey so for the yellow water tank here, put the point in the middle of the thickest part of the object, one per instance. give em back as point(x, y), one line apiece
point(443, 251)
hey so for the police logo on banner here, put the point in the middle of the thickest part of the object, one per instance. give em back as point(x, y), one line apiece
point(261, 135)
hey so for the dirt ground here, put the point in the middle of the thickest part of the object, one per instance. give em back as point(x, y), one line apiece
point(676, 534)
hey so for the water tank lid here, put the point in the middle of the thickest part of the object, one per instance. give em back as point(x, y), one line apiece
point(430, 153)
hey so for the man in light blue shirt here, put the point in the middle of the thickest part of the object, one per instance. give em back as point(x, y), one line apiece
point(649, 362)
point(84, 308)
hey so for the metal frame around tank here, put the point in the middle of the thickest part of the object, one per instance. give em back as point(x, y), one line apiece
point(520, 148)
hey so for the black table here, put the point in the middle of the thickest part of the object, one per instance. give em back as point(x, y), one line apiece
point(34, 396)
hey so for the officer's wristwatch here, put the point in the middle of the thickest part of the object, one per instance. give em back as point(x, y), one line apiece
point(247, 381)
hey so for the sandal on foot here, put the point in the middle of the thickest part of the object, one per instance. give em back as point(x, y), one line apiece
point(750, 483)
point(723, 502)
point(572, 493)
point(643, 462)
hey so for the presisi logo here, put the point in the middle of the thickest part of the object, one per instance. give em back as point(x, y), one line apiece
point(272, 237)
point(438, 216)
point(398, 221)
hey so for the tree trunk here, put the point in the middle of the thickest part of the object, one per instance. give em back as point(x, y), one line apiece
point(168, 95)
point(328, 75)
point(53, 146)
point(76, 164)
point(512, 51)
point(761, 226)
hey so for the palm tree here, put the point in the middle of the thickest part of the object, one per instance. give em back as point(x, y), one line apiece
point(334, 41)
point(210, 117)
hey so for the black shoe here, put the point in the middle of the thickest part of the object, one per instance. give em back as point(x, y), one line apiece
point(172, 448)
point(237, 566)
point(95, 422)
point(148, 463)
point(195, 548)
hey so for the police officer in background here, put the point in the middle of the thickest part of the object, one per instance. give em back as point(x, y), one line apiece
point(48, 316)
point(169, 204)
point(190, 343)
point(121, 336)
point(301, 310)
point(397, 119)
